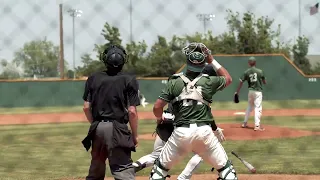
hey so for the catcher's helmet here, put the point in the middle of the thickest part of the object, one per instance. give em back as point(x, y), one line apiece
point(114, 57)
point(196, 56)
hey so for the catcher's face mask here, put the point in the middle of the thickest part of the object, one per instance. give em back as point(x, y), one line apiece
point(114, 56)
point(196, 54)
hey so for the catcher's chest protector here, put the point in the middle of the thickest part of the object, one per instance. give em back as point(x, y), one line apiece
point(190, 91)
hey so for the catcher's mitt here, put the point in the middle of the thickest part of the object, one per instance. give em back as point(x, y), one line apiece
point(236, 98)
point(164, 130)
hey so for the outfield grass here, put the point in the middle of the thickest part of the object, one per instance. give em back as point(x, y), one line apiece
point(292, 104)
point(52, 151)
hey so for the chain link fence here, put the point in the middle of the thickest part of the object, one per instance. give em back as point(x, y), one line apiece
point(25, 21)
point(53, 151)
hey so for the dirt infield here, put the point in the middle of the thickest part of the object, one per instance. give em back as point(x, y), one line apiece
point(231, 131)
point(79, 116)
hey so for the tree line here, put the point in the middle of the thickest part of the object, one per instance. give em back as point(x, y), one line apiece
point(246, 34)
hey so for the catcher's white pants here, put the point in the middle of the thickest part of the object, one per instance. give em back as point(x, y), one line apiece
point(254, 102)
point(199, 140)
point(186, 174)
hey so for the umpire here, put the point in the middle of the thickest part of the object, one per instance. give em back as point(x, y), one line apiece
point(110, 100)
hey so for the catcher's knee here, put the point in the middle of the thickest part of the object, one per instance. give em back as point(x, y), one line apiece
point(227, 172)
point(158, 172)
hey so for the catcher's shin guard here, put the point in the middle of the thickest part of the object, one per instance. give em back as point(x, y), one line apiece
point(158, 172)
point(227, 172)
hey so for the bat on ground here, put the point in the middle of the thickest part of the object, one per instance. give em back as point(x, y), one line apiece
point(248, 165)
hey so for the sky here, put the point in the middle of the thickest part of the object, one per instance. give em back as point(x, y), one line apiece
point(22, 21)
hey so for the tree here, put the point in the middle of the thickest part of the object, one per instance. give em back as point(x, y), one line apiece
point(163, 61)
point(252, 35)
point(137, 61)
point(246, 34)
point(300, 51)
point(89, 66)
point(38, 57)
point(111, 35)
point(9, 70)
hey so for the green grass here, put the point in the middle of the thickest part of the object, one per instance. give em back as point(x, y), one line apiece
point(292, 104)
point(51, 151)
point(302, 123)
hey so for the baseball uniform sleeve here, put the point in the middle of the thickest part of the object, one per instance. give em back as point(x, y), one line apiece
point(243, 77)
point(133, 92)
point(87, 90)
point(166, 93)
point(262, 75)
point(218, 83)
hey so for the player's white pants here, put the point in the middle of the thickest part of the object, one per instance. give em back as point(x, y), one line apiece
point(150, 158)
point(186, 174)
point(199, 140)
point(254, 102)
point(192, 165)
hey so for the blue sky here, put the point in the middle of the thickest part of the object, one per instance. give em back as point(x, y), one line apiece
point(22, 21)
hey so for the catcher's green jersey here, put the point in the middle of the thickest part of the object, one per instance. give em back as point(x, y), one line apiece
point(191, 111)
point(254, 77)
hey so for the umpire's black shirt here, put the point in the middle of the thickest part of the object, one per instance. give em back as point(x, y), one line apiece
point(111, 95)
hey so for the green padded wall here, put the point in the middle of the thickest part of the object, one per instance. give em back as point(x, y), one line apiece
point(58, 93)
point(284, 83)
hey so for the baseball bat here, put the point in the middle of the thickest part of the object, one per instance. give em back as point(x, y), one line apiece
point(245, 163)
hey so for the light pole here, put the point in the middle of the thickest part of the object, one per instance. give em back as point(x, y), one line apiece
point(74, 13)
point(205, 18)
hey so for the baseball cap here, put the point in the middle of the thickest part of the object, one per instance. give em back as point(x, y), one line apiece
point(252, 58)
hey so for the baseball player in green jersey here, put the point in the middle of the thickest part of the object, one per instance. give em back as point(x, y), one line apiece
point(191, 95)
point(255, 78)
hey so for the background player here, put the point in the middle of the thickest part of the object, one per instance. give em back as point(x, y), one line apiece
point(191, 95)
point(255, 77)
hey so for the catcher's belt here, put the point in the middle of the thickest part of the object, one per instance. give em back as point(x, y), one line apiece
point(164, 130)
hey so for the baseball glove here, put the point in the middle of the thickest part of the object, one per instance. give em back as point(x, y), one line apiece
point(164, 130)
point(236, 98)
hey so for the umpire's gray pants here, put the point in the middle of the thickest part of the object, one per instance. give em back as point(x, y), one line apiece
point(120, 161)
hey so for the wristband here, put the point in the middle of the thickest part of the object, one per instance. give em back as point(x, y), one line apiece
point(215, 65)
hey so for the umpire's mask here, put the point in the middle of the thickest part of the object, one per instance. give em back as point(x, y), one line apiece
point(114, 58)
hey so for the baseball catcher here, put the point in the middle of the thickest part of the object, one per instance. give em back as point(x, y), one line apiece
point(164, 131)
point(191, 95)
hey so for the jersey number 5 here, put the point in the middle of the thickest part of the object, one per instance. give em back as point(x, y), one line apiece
point(253, 77)
point(189, 102)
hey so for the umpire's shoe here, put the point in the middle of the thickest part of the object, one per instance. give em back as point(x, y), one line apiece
point(138, 166)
